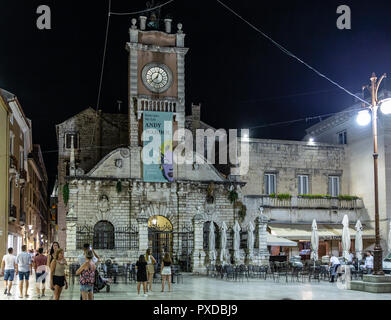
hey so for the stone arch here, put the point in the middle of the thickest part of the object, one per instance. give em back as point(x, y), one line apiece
point(106, 216)
point(160, 209)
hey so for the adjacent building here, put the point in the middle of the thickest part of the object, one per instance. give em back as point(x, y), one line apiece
point(5, 112)
point(26, 198)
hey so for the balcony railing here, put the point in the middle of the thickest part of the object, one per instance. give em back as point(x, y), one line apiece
point(13, 164)
point(308, 203)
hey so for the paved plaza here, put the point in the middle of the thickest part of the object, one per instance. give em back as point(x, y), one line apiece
point(203, 288)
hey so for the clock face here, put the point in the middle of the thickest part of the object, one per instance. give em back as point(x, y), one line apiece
point(157, 77)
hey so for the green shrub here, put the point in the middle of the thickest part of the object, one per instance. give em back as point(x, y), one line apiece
point(65, 193)
point(233, 196)
point(119, 186)
point(347, 197)
point(280, 196)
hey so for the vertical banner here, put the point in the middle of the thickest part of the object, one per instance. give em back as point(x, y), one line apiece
point(157, 147)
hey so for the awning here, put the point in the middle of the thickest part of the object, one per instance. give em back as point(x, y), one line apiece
point(325, 231)
point(281, 242)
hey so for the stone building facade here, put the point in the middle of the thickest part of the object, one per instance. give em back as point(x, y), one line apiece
point(105, 199)
point(342, 129)
point(37, 210)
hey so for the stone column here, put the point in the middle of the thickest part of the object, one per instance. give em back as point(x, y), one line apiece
point(198, 255)
point(142, 223)
point(262, 240)
point(71, 240)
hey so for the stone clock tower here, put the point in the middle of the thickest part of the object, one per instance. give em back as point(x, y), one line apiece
point(156, 79)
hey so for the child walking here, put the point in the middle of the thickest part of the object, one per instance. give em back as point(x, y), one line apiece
point(141, 267)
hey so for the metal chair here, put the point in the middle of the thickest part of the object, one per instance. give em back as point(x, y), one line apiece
point(177, 274)
point(314, 273)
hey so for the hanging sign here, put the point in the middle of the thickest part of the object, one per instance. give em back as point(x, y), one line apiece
point(157, 154)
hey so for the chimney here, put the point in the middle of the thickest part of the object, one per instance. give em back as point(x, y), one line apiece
point(167, 23)
point(196, 117)
point(143, 22)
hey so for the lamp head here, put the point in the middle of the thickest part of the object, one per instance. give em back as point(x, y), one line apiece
point(363, 118)
point(385, 106)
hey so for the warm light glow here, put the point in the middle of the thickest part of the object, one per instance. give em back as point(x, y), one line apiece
point(385, 106)
point(154, 221)
point(363, 118)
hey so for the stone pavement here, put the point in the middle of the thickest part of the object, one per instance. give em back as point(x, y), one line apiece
point(203, 288)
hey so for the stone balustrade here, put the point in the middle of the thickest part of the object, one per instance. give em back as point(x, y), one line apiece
point(321, 203)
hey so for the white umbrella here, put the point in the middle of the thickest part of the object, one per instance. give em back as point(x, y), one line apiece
point(212, 250)
point(250, 239)
point(389, 238)
point(345, 237)
point(314, 241)
point(358, 241)
point(236, 240)
point(223, 241)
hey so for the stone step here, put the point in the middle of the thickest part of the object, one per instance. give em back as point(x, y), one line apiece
point(374, 287)
point(377, 279)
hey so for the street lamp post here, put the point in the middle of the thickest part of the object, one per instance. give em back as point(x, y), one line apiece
point(377, 266)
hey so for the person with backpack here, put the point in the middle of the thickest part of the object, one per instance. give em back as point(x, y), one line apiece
point(87, 277)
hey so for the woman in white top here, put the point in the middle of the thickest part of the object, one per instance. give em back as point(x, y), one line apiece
point(150, 267)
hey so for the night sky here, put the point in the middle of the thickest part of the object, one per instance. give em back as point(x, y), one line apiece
point(240, 78)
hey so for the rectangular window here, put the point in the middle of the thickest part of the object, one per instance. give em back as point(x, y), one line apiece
point(342, 138)
point(270, 183)
point(68, 140)
point(333, 189)
point(303, 184)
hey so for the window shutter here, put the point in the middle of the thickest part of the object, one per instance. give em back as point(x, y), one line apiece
point(273, 183)
point(329, 191)
point(266, 184)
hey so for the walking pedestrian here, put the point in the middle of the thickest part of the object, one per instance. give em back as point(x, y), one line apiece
point(369, 262)
point(141, 267)
point(87, 276)
point(166, 271)
point(57, 274)
point(8, 265)
point(39, 264)
point(334, 262)
point(55, 246)
point(23, 268)
point(150, 267)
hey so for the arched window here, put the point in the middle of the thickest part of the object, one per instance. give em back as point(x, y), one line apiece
point(103, 235)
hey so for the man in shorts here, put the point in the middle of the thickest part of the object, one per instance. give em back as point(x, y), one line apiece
point(23, 268)
point(39, 263)
point(8, 270)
